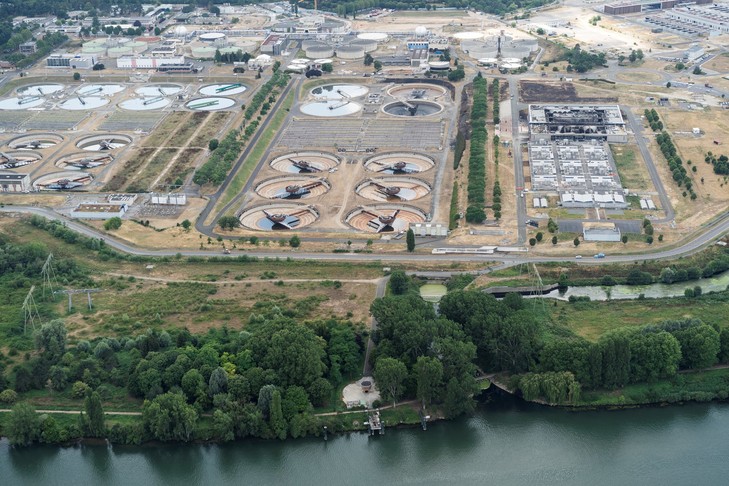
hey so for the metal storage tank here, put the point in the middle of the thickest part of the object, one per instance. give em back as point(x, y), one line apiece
point(366, 44)
point(319, 51)
point(115, 52)
point(246, 45)
point(95, 43)
point(349, 52)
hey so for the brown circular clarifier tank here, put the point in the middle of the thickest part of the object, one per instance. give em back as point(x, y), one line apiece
point(84, 161)
point(399, 163)
point(305, 162)
point(412, 108)
point(384, 218)
point(393, 189)
point(278, 217)
point(288, 188)
point(101, 143)
point(62, 181)
point(37, 141)
point(14, 159)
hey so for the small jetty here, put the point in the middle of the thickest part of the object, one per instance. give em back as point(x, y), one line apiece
point(374, 423)
point(530, 290)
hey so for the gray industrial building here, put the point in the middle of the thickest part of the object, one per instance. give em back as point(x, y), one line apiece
point(12, 182)
point(577, 122)
point(569, 154)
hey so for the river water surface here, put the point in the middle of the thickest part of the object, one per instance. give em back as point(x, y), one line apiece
point(505, 442)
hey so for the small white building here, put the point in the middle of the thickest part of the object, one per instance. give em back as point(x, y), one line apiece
point(601, 232)
point(99, 211)
point(72, 61)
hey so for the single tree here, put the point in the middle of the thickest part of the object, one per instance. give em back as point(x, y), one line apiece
point(277, 421)
point(295, 241)
point(399, 282)
point(94, 415)
point(554, 240)
point(23, 426)
point(576, 241)
point(428, 375)
point(390, 373)
point(410, 240)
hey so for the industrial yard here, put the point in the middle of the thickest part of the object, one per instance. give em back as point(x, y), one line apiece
point(365, 154)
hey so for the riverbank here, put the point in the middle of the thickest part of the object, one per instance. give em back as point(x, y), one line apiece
point(698, 386)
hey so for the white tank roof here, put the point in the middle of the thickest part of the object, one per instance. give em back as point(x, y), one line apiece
point(375, 36)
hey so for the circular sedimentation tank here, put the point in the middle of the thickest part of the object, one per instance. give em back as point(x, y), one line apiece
point(163, 89)
point(145, 103)
point(319, 50)
point(15, 159)
point(21, 102)
point(305, 162)
point(40, 89)
point(100, 89)
point(62, 181)
point(399, 163)
point(115, 52)
point(210, 103)
point(36, 141)
point(137, 47)
point(278, 217)
point(416, 91)
point(290, 188)
point(350, 52)
point(412, 108)
point(384, 218)
point(83, 161)
point(393, 189)
point(330, 108)
point(203, 52)
point(98, 51)
point(105, 142)
point(226, 89)
point(339, 91)
point(366, 44)
point(84, 103)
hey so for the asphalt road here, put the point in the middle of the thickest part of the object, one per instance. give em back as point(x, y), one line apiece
point(706, 236)
point(521, 211)
point(637, 127)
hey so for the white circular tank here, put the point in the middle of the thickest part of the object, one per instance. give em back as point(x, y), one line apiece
point(375, 36)
point(212, 36)
point(309, 42)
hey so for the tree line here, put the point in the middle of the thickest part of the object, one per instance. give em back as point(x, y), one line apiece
point(477, 156)
point(675, 164)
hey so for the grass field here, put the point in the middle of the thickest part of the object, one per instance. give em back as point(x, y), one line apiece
point(165, 129)
point(592, 319)
point(632, 172)
point(185, 130)
point(152, 170)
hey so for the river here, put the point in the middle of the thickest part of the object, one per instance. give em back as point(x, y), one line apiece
point(505, 442)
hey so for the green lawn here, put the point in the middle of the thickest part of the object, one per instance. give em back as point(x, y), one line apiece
point(632, 171)
point(592, 319)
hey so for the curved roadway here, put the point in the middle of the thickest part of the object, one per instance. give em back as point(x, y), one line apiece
point(709, 234)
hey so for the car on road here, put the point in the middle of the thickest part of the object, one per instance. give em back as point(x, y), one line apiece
point(578, 257)
point(599, 255)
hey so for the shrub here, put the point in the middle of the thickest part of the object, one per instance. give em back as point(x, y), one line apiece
point(80, 389)
point(8, 396)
